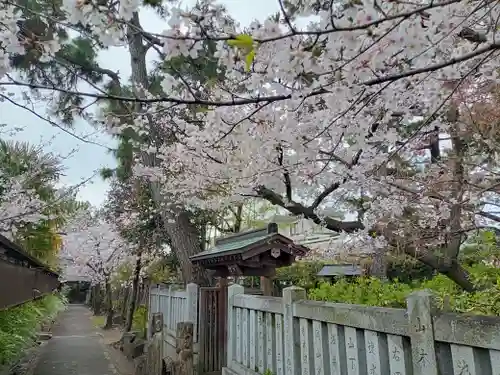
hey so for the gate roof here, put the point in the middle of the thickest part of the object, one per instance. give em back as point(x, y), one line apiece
point(252, 253)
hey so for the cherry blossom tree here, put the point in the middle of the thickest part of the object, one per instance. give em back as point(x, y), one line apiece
point(93, 248)
point(33, 207)
point(303, 117)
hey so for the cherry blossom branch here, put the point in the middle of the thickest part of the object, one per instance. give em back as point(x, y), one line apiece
point(261, 99)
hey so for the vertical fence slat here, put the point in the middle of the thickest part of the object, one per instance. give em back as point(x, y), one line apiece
point(244, 321)
point(463, 360)
point(231, 335)
point(334, 349)
point(305, 357)
point(397, 359)
point(495, 361)
point(270, 339)
point(319, 348)
point(352, 351)
point(238, 335)
point(377, 358)
point(253, 339)
point(280, 368)
point(260, 341)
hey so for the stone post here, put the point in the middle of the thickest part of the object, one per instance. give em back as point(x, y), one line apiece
point(421, 306)
point(154, 347)
point(292, 339)
point(184, 347)
point(231, 322)
point(169, 309)
point(150, 316)
point(192, 308)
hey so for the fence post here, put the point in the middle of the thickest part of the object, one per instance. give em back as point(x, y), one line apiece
point(292, 339)
point(154, 351)
point(231, 323)
point(150, 316)
point(168, 309)
point(420, 307)
point(192, 308)
point(184, 348)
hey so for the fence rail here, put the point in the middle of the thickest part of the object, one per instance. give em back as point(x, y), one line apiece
point(294, 336)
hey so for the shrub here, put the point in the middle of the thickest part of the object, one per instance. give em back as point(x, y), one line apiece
point(19, 326)
point(140, 319)
point(374, 292)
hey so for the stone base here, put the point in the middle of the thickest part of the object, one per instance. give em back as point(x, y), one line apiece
point(133, 347)
point(44, 336)
point(228, 371)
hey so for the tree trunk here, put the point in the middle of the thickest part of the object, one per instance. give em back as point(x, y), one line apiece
point(96, 299)
point(135, 292)
point(184, 236)
point(109, 305)
point(186, 242)
point(126, 298)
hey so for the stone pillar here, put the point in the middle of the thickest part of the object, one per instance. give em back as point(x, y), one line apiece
point(420, 307)
point(231, 322)
point(192, 307)
point(184, 347)
point(292, 341)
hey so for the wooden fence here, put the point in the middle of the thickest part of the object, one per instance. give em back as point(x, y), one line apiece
point(22, 277)
point(176, 306)
point(294, 336)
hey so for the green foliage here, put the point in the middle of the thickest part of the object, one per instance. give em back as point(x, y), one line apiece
point(363, 291)
point(161, 270)
point(408, 270)
point(140, 319)
point(302, 274)
point(374, 292)
point(246, 45)
point(42, 171)
point(481, 246)
point(19, 326)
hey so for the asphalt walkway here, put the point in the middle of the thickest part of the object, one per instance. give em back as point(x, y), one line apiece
point(75, 347)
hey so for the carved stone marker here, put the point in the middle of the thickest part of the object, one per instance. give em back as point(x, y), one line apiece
point(154, 347)
point(184, 348)
point(157, 323)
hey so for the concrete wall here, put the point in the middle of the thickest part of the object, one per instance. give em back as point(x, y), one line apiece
point(294, 336)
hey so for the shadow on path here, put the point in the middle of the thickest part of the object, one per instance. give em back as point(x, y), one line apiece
point(75, 347)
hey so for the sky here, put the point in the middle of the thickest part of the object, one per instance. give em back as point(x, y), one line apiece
point(82, 160)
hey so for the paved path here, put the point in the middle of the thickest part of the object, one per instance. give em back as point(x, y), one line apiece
point(75, 347)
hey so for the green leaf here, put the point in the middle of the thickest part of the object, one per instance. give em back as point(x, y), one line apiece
point(249, 60)
point(202, 109)
point(243, 41)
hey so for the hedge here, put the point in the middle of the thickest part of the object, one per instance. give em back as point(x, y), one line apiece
point(375, 292)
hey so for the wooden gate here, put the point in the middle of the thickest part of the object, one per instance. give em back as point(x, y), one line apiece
point(213, 329)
